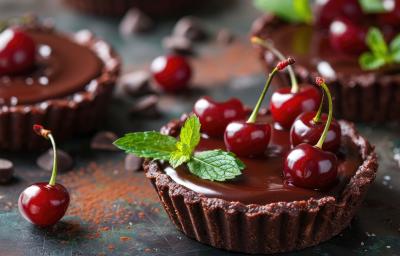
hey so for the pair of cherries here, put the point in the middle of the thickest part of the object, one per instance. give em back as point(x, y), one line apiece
point(44, 204)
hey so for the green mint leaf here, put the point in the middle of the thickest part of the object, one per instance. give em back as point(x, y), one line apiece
point(177, 158)
point(372, 6)
point(368, 61)
point(215, 165)
point(190, 133)
point(376, 42)
point(289, 10)
point(395, 44)
point(148, 145)
point(396, 56)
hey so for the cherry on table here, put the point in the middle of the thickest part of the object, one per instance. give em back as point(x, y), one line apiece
point(44, 204)
point(251, 138)
point(309, 166)
point(328, 10)
point(171, 72)
point(215, 116)
point(17, 51)
point(347, 37)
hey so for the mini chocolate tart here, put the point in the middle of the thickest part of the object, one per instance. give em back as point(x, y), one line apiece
point(257, 212)
point(67, 90)
point(367, 96)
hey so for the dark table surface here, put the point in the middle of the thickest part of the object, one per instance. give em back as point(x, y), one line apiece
point(115, 212)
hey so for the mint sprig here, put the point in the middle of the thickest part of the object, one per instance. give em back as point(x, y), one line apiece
point(381, 54)
point(214, 165)
point(373, 6)
point(289, 10)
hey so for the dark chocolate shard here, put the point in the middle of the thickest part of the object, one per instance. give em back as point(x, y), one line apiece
point(133, 163)
point(104, 141)
point(64, 161)
point(225, 37)
point(146, 106)
point(178, 44)
point(135, 21)
point(6, 171)
point(191, 28)
point(136, 83)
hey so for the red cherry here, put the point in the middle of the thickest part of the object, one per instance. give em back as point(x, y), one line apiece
point(328, 10)
point(393, 16)
point(306, 130)
point(215, 116)
point(17, 51)
point(310, 167)
point(285, 106)
point(247, 139)
point(43, 204)
point(347, 37)
point(172, 72)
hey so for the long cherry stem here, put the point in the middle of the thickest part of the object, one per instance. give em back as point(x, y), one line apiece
point(294, 84)
point(281, 65)
point(320, 81)
point(52, 181)
point(317, 117)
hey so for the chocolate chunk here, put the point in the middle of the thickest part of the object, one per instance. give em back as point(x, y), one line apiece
point(64, 161)
point(136, 83)
point(225, 36)
point(190, 28)
point(6, 171)
point(104, 141)
point(133, 163)
point(134, 22)
point(178, 44)
point(146, 106)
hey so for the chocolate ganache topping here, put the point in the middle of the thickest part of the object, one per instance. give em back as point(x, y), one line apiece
point(262, 182)
point(62, 68)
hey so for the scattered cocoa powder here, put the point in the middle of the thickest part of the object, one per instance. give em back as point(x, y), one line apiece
point(124, 238)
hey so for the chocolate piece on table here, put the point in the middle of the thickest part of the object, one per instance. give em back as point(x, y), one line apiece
point(146, 106)
point(6, 170)
point(191, 28)
point(133, 163)
point(134, 22)
point(136, 83)
point(178, 44)
point(225, 36)
point(64, 161)
point(104, 141)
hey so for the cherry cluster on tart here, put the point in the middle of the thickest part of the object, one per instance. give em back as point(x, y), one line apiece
point(61, 80)
point(332, 45)
point(302, 179)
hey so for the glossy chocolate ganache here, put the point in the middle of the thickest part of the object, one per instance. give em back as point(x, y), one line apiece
point(261, 182)
point(62, 67)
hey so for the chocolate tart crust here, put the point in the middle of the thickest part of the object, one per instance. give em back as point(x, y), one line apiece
point(79, 112)
point(271, 228)
point(367, 97)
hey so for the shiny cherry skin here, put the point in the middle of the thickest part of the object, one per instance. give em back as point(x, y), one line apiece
point(43, 204)
point(392, 17)
point(328, 10)
point(171, 72)
point(215, 116)
point(17, 51)
point(305, 130)
point(310, 167)
point(347, 37)
point(285, 106)
point(247, 139)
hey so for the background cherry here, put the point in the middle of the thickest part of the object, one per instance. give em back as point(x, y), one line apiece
point(44, 204)
point(171, 72)
point(308, 128)
point(17, 51)
point(310, 166)
point(328, 10)
point(250, 138)
point(215, 116)
point(347, 37)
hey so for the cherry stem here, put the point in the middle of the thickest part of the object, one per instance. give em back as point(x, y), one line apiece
point(294, 84)
point(317, 117)
point(321, 140)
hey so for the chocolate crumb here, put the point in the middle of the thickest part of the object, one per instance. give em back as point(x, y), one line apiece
point(135, 21)
point(133, 163)
point(6, 171)
point(225, 36)
point(146, 106)
point(136, 83)
point(191, 28)
point(64, 161)
point(178, 44)
point(104, 141)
